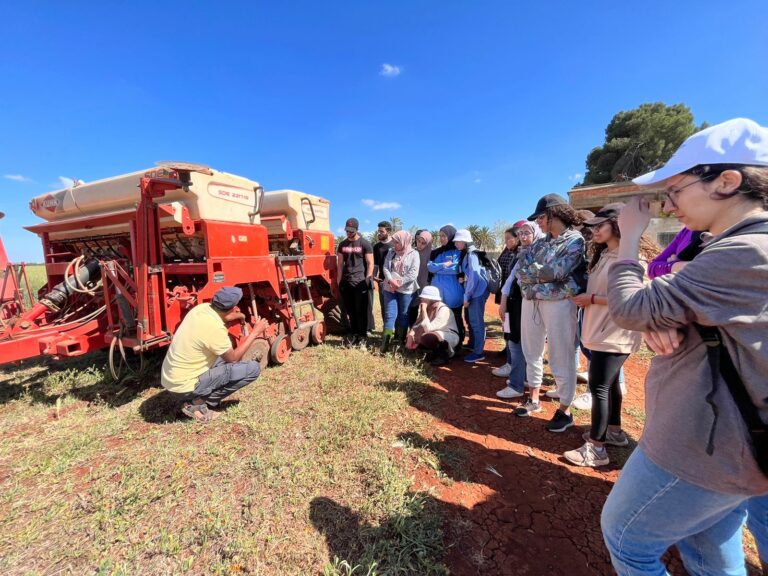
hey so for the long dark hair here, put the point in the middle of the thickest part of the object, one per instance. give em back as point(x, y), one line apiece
point(648, 248)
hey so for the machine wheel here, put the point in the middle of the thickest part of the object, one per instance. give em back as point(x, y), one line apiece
point(280, 350)
point(258, 352)
point(300, 339)
point(335, 319)
point(317, 334)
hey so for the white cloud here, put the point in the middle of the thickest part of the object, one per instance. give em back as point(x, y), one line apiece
point(576, 177)
point(376, 205)
point(340, 230)
point(63, 182)
point(367, 221)
point(17, 178)
point(478, 180)
point(390, 70)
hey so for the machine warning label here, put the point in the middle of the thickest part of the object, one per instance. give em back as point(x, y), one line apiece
point(218, 277)
point(233, 194)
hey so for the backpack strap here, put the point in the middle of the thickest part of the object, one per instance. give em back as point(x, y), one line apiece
point(720, 363)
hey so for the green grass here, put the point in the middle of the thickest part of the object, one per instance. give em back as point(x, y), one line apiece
point(298, 477)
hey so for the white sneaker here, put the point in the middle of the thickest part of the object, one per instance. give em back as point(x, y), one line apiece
point(587, 455)
point(502, 371)
point(582, 377)
point(508, 392)
point(583, 401)
point(552, 393)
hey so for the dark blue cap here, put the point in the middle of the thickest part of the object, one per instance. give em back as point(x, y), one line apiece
point(227, 298)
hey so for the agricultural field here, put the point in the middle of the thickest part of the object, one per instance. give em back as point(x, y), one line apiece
point(298, 476)
point(341, 462)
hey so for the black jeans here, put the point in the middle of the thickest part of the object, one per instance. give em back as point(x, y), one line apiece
point(357, 302)
point(604, 368)
point(458, 314)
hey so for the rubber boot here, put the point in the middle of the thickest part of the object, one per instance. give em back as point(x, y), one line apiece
point(386, 340)
point(400, 334)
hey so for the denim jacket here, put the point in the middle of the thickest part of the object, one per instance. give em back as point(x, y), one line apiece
point(545, 271)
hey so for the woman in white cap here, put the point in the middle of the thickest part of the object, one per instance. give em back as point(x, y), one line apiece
point(698, 464)
point(435, 328)
point(475, 295)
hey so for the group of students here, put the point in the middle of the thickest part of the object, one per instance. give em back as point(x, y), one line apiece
point(426, 294)
point(700, 470)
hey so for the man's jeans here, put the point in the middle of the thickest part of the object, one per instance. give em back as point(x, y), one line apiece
point(650, 510)
point(224, 379)
point(476, 320)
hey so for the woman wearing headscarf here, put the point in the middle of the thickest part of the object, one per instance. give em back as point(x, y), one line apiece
point(424, 248)
point(510, 312)
point(401, 271)
point(444, 267)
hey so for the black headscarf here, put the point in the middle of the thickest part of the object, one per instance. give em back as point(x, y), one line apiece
point(449, 231)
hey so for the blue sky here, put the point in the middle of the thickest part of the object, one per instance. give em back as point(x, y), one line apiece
point(462, 112)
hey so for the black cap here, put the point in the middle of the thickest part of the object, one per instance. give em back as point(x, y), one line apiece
point(226, 298)
point(605, 213)
point(545, 202)
point(352, 225)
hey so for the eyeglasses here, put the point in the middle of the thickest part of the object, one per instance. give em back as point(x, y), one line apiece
point(673, 193)
point(525, 233)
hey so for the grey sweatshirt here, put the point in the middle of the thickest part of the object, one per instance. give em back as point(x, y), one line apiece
point(410, 275)
point(724, 286)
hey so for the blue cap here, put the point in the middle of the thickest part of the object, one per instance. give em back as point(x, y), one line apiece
point(227, 298)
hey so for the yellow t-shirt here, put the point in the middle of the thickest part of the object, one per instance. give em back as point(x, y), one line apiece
point(200, 339)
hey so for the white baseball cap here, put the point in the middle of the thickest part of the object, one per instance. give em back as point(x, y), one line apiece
point(430, 293)
point(737, 141)
point(462, 236)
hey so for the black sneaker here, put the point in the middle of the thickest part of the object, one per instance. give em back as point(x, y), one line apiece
point(560, 421)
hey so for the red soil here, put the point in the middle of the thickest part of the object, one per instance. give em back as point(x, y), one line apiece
point(536, 514)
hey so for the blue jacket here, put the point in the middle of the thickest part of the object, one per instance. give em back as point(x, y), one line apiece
point(446, 278)
point(475, 281)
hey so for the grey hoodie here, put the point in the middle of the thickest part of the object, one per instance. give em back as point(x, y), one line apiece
point(724, 286)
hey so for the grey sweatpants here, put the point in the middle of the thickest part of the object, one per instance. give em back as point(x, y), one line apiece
point(554, 322)
point(224, 379)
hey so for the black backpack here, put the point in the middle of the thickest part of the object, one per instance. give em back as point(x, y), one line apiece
point(720, 362)
point(492, 271)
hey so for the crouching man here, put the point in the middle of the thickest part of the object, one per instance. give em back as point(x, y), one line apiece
point(435, 328)
point(201, 363)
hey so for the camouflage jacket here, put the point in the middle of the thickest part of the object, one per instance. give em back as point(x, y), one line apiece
point(545, 271)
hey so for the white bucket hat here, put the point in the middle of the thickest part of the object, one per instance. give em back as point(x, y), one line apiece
point(462, 235)
point(430, 293)
point(737, 141)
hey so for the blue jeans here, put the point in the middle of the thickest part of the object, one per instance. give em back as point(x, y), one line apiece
point(396, 309)
point(650, 510)
point(517, 362)
point(476, 320)
point(223, 379)
point(757, 522)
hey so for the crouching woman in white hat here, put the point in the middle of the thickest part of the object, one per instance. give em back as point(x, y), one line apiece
point(696, 467)
point(435, 328)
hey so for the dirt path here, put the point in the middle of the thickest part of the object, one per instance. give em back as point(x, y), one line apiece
point(514, 505)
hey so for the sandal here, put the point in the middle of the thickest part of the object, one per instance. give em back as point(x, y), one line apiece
point(199, 412)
